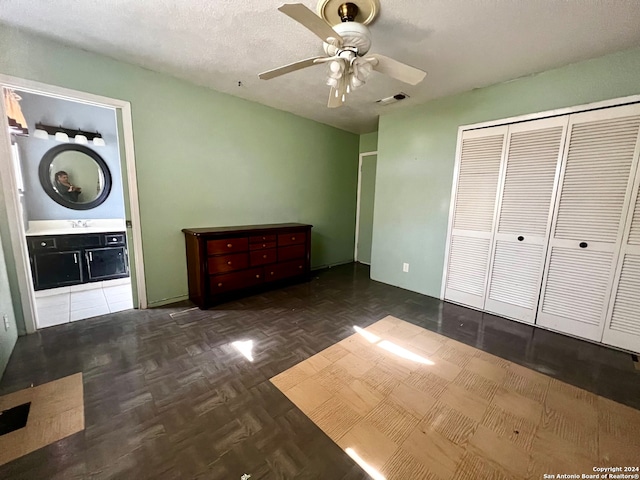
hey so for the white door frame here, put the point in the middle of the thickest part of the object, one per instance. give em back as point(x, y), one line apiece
point(9, 186)
point(360, 157)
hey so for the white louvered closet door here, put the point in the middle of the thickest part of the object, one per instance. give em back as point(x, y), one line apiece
point(479, 164)
point(623, 318)
point(596, 185)
point(533, 158)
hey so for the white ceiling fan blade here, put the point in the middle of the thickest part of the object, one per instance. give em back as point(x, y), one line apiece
point(307, 18)
point(335, 101)
point(397, 70)
point(292, 67)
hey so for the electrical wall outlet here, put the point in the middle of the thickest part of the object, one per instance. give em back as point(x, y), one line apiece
point(6, 322)
point(405, 267)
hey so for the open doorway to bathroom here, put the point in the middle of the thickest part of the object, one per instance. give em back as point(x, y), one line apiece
point(73, 206)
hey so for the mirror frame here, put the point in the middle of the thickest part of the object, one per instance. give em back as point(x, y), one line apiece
point(45, 179)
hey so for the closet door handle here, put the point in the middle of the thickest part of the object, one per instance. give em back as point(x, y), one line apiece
point(584, 244)
point(520, 238)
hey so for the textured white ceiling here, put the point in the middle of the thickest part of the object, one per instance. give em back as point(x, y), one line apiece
point(462, 44)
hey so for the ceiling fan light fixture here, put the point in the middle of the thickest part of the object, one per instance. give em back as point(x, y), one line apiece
point(348, 12)
point(329, 10)
point(346, 43)
point(356, 82)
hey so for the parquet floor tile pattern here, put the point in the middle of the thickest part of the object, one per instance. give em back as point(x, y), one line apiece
point(392, 394)
point(169, 395)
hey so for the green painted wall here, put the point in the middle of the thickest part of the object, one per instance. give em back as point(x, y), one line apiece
point(416, 153)
point(206, 159)
point(368, 142)
point(7, 337)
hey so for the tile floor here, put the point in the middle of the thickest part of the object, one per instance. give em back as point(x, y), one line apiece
point(60, 305)
point(408, 403)
point(170, 393)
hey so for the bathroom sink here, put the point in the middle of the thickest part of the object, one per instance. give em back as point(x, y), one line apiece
point(70, 227)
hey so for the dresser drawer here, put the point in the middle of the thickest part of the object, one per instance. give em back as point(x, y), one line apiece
point(291, 238)
point(262, 238)
point(262, 257)
point(224, 262)
point(235, 280)
point(227, 263)
point(279, 271)
point(262, 245)
point(229, 245)
point(289, 253)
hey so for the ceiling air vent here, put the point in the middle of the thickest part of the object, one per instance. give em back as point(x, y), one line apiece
point(392, 99)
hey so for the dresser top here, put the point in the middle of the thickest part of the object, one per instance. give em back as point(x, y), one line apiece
point(242, 228)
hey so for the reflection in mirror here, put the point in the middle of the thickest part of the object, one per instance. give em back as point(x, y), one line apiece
point(75, 176)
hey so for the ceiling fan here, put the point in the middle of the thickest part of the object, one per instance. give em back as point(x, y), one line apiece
point(346, 45)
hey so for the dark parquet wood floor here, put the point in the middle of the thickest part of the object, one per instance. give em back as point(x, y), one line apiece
point(167, 396)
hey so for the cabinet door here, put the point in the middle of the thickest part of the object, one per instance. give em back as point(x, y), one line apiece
point(56, 269)
point(623, 318)
point(476, 188)
point(533, 158)
point(106, 263)
point(596, 184)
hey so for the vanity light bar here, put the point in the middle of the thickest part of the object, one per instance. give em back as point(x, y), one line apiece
point(65, 134)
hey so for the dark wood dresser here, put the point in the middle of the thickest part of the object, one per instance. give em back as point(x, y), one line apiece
point(225, 262)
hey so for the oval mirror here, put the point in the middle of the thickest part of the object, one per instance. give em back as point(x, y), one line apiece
point(75, 176)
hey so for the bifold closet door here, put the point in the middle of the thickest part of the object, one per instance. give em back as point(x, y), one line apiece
point(533, 157)
point(594, 193)
point(476, 187)
point(623, 319)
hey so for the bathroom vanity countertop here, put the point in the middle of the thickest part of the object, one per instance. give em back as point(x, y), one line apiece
point(71, 227)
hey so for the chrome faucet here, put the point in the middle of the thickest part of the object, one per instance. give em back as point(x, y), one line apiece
point(79, 223)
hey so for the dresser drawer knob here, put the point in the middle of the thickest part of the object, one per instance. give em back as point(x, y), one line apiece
point(264, 245)
point(229, 262)
point(264, 256)
point(293, 238)
point(299, 266)
point(271, 273)
point(220, 284)
point(257, 276)
point(229, 245)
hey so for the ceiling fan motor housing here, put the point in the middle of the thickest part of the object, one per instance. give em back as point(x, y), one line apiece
point(356, 36)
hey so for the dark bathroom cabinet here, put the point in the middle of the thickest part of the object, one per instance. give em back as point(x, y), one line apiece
point(61, 260)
